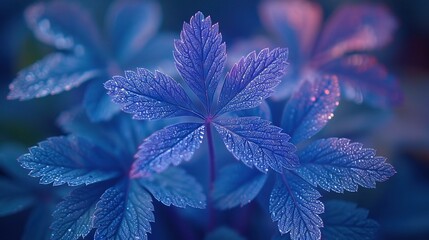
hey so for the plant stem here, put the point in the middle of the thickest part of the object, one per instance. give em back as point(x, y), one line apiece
point(212, 176)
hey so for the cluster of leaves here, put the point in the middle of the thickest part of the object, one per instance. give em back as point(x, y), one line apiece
point(114, 184)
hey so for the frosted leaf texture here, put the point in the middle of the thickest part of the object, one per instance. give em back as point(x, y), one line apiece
point(344, 220)
point(237, 185)
point(148, 96)
point(337, 164)
point(252, 79)
point(73, 216)
point(171, 145)
point(124, 211)
point(200, 56)
point(70, 160)
point(310, 108)
point(294, 204)
point(53, 74)
point(175, 187)
point(256, 142)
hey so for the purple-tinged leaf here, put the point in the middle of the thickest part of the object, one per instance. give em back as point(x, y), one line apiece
point(252, 79)
point(53, 74)
point(310, 108)
point(70, 160)
point(171, 145)
point(98, 105)
point(131, 24)
point(295, 22)
point(14, 198)
point(294, 204)
point(37, 226)
point(64, 25)
point(257, 143)
point(338, 165)
point(365, 80)
point(124, 211)
point(237, 185)
point(356, 28)
point(149, 96)
point(73, 216)
point(344, 220)
point(175, 187)
point(200, 56)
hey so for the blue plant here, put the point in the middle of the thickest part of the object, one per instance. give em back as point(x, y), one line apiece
point(332, 164)
point(84, 55)
point(200, 57)
point(97, 158)
point(338, 48)
point(19, 192)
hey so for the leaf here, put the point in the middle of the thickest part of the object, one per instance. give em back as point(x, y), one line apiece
point(124, 212)
point(171, 145)
point(149, 96)
point(14, 198)
point(131, 24)
point(200, 56)
point(51, 24)
point(310, 108)
point(365, 80)
point(73, 216)
point(357, 27)
point(37, 226)
point(98, 105)
point(336, 164)
point(343, 220)
point(237, 185)
point(175, 187)
point(294, 204)
point(252, 79)
point(70, 160)
point(257, 143)
point(53, 74)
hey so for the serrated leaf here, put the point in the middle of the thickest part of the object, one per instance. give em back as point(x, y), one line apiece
point(175, 187)
point(310, 108)
point(294, 204)
point(252, 79)
point(53, 74)
point(257, 143)
point(200, 56)
point(98, 105)
point(124, 212)
point(50, 22)
point(70, 160)
point(356, 27)
point(131, 24)
point(171, 145)
point(14, 198)
point(345, 221)
point(149, 96)
point(336, 164)
point(364, 79)
point(73, 216)
point(237, 185)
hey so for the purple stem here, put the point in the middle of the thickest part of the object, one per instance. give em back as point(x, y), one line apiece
point(212, 174)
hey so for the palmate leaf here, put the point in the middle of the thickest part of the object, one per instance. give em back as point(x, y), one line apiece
point(70, 160)
point(257, 143)
point(55, 73)
point(73, 216)
point(237, 185)
point(294, 204)
point(252, 79)
point(200, 56)
point(149, 96)
point(336, 164)
point(175, 187)
point(171, 145)
point(310, 108)
point(124, 211)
